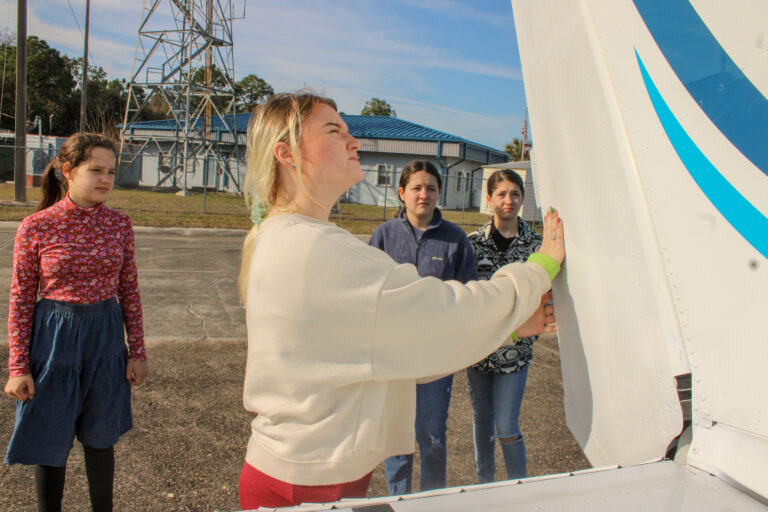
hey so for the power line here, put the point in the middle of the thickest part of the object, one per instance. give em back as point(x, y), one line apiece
point(78, 28)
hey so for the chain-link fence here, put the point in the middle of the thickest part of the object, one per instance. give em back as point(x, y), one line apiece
point(36, 161)
point(153, 171)
point(136, 168)
point(212, 184)
point(463, 192)
point(380, 187)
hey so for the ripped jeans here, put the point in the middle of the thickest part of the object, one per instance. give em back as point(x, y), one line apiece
point(432, 400)
point(496, 400)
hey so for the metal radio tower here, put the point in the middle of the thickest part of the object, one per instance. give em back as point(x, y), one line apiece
point(183, 71)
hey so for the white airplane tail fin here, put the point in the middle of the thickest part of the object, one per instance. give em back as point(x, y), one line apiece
point(649, 121)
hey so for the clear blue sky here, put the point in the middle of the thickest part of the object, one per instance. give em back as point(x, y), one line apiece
point(452, 65)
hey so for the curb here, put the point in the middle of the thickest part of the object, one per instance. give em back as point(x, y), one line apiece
point(190, 231)
point(10, 224)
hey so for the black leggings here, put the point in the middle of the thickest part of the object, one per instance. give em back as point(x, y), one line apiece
point(100, 470)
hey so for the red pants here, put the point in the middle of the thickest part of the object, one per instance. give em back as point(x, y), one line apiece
point(260, 490)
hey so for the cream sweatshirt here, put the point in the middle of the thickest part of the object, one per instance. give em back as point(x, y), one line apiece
point(338, 334)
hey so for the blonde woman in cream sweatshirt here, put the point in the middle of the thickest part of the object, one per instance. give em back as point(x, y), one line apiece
point(339, 334)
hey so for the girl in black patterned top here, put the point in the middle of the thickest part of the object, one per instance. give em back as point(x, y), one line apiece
point(497, 383)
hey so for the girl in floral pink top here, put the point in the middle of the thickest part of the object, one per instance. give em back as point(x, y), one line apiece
point(70, 369)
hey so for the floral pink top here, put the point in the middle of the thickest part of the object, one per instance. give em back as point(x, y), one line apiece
point(72, 254)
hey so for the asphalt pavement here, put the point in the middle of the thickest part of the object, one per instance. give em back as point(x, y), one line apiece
point(187, 279)
point(188, 282)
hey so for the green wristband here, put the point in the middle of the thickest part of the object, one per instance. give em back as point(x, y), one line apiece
point(515, 337)
point(546, 261)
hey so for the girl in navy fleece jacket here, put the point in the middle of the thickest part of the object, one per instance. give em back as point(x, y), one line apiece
point(438, 248)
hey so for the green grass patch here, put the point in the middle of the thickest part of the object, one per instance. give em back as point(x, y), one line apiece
point(217, 210)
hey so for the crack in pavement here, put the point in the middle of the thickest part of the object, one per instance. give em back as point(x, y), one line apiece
point(199, 317)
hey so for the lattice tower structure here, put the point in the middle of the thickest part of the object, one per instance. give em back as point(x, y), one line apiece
point(183, 73)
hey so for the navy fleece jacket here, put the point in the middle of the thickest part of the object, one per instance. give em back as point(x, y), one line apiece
point(443, 251)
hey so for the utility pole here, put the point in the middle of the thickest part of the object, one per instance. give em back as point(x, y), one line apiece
point(208, 68)
point(20, 154)
point(209, 85)
point(84, 87)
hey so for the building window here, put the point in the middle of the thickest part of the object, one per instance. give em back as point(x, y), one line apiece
point(384, 176)
point(459, 174)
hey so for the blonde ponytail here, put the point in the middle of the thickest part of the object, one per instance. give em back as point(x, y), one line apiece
point(277, 120)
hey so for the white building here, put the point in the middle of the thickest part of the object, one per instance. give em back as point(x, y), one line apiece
point(387, 144)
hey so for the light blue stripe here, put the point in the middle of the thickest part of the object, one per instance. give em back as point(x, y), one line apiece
point(736, 209)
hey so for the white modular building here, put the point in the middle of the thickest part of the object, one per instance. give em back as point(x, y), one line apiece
point(387, 144)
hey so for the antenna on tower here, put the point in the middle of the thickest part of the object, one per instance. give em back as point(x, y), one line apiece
point(183, 83)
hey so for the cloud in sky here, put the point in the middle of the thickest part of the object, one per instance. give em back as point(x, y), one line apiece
point(112, 29)
point(354, 54)
point(447, 64)
point(348, 36)
point(463, 10)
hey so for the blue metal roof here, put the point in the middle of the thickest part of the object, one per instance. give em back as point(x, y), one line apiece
point(382, 127)
point(216, 123)
point(366, 127)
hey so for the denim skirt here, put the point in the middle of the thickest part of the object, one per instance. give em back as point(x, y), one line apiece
point(77, 360)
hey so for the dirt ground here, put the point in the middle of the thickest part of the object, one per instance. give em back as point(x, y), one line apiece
point(190, 431)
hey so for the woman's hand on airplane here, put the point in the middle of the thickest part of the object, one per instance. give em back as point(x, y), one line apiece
point(553, 244)
point(541, 321)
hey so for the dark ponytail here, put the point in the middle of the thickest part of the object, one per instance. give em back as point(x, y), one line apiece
point(74, 151)
point(52, 189)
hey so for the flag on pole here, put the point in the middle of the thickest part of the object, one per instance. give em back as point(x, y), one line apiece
point(525, 124)
point(526, 146)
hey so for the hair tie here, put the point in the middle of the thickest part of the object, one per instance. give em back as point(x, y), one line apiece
point(257, 214)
